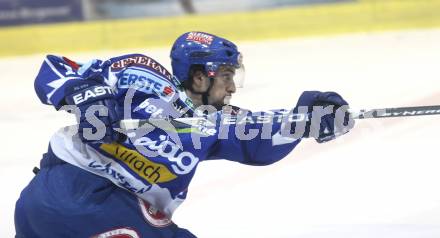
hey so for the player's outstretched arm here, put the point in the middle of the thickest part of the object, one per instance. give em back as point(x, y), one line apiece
point(262, 143)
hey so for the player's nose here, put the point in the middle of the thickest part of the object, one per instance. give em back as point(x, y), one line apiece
point(231, 88)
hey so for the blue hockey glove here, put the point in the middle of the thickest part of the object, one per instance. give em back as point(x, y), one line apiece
point(96, 110)
point(331, 109)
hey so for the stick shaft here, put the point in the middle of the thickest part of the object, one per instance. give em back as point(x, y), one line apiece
point(362, 114)
point(398, 112)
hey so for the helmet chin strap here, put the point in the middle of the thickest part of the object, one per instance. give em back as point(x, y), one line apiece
point(205, 94)
point(205, 98)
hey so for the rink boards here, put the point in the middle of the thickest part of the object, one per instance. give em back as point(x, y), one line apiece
point(277, 23)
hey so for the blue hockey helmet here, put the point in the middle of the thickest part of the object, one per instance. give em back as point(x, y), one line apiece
point(207, 50)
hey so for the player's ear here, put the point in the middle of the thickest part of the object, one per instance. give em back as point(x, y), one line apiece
point(200, 82)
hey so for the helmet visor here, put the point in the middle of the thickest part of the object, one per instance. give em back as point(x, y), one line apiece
point(231, 73)
point(239, 72)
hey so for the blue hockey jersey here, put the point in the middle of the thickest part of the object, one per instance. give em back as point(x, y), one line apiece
point(156, 166)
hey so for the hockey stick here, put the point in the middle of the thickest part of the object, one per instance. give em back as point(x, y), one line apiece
point(397, 112)
point(182, 123)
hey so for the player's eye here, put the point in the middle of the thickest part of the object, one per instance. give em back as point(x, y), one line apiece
point(227, 77)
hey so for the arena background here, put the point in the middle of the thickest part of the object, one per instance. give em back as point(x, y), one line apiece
point(380, 180)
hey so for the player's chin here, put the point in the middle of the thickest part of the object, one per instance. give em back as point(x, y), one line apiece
point(219, 104)
point(227, 100)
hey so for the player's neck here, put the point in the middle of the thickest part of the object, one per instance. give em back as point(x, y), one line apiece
point(195, 97)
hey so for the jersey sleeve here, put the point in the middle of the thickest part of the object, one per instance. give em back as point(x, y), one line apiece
point(55, 74)
point(149, 86)
point(252, 141)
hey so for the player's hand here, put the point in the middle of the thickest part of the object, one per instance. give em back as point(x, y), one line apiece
point(332, 109)
point(96, 110)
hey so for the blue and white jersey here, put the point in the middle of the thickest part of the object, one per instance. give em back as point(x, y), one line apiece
point(156, 166)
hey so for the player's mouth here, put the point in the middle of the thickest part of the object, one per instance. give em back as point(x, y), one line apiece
point(227, 99)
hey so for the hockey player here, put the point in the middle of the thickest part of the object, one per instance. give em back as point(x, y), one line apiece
point(104, 183)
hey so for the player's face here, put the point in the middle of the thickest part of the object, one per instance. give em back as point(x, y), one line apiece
point(223, 87)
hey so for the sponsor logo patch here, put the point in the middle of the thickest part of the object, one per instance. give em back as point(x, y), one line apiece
point(118, 178)
point(152, 172)
point(125, 232)
point(146, 82)
point(201, 38)
point(168, 90)
point(183, 162)
point(96, 91)
point(153, 216)
point(141, 61)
